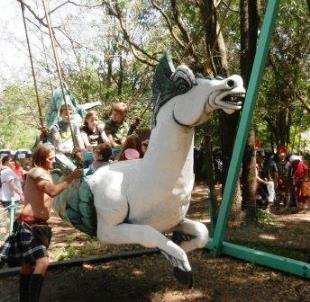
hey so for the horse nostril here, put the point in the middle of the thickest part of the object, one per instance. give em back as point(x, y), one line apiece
point(230, 83)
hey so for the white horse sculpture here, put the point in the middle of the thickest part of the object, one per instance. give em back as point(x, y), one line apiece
point(136, 201)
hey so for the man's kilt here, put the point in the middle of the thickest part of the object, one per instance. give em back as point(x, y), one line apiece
point(26, 244)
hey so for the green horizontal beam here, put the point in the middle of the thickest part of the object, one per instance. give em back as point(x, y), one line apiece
point(284, 264)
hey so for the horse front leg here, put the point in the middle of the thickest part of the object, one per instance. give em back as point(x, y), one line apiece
point(190, 235)
point(148, 237)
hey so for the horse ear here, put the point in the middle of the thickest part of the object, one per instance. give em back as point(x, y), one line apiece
point(183, 78)
point(189, 107)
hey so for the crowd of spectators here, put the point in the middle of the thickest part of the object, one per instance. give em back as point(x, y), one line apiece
point(282, 180)
point(98, 142)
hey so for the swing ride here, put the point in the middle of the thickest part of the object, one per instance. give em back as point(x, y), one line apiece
point(137, 201)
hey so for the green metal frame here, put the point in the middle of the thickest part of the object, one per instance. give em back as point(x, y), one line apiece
point(216, 244)
point(12, 211)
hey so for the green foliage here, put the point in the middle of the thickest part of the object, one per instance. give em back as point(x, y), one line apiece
point(19, 117)
point(264, 217)
point(125, 77)
point(280, 111)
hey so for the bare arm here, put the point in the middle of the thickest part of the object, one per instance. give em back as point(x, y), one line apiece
point(85, 140)
point(14, 188)
point(105, 137)
point(260, 180)
point(80, 139)
point(112, 142)
point(52, 189)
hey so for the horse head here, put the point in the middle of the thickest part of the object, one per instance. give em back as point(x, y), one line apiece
point(79, 110)
point(194, 97)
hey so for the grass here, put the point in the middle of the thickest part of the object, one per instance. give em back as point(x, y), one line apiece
point(76, 247)
point(264, 218)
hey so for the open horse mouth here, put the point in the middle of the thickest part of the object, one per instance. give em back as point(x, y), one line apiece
point(235, 99)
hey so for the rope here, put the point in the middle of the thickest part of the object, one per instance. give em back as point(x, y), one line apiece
point(51, 35)
point(44, 50)
point(32, 68)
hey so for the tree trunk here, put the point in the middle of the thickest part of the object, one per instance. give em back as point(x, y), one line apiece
point(109, 78)
point(213, 200)
point(248, 31)
point(249, 178)
point(216, 49)
point(218, 60)
point(214, 39)
point(121, 76)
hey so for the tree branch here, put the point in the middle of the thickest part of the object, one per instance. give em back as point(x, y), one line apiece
point(270, 124)
point(116, 12)
point(186, 37)
point(135, 54)
point(72, 3)
point(298, 96)
point(218, 3)
point(32, 12)
point(36, 25)
point(179, 22)
point(222, 25)
point(170, 27)
point(40, 19)
point(229, 8)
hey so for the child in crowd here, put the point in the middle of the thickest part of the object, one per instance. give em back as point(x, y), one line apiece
point(132, 148)
point(102, 154)
point(61, 133)
point(27, 245)
point(116, 128)
point(92, 133)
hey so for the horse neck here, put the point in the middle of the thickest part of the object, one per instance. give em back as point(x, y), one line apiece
point(170, 151)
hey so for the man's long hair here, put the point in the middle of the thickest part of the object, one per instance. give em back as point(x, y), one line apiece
point(40, 154)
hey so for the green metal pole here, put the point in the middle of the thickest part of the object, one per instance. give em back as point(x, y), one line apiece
point(244, 125)
point(281, 263)
point(12, 214)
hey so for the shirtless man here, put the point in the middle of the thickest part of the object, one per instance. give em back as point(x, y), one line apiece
point(31, 235)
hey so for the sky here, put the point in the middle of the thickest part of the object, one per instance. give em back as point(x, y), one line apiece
point(12, 52)
point(14, 59)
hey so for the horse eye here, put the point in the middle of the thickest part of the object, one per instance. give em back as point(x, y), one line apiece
point(230, 83)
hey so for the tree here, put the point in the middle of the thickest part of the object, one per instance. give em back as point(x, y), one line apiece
point(249, 19)
point(283, 95)
point(19, 117)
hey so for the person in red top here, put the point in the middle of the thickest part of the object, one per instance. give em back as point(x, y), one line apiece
point(300, 172)
point(17, 169)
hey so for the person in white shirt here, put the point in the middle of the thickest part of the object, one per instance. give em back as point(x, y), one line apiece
point(11, 187)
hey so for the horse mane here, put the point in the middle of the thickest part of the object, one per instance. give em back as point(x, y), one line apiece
point(164, 87)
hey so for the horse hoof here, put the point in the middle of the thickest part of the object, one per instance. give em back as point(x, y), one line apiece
point(186, 278)
point(178, 237)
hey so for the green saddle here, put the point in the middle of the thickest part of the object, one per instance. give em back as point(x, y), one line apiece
point(75, 205)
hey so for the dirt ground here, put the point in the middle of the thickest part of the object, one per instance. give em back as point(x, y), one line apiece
point(149, 278)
